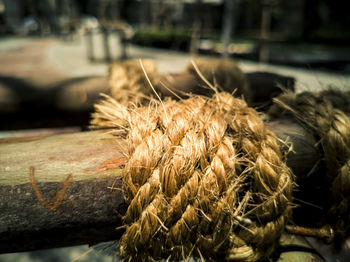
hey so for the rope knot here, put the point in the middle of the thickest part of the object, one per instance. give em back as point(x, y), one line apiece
point(204, 178)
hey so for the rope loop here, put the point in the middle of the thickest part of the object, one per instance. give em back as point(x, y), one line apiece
point(204, 178)
point(324, 114)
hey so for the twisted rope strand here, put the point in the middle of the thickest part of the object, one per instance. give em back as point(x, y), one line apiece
point(207, 179)
point(318, 113)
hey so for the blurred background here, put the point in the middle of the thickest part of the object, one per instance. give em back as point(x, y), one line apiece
point(251, 29)
point(54, 55)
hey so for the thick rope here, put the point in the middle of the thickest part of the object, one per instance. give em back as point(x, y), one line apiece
point(339, 99)
point(225, 74)
point(331, 126)
point(128, 82)
point(204, 178)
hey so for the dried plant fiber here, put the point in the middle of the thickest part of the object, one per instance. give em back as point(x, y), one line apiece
point(204, 178)
point(128, 82)
point(338, 99)
point(331, 127)
point(225, 74)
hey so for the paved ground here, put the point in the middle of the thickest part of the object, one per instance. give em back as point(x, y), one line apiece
point(11, 43)
point(30, 61)
point(53, 58)
point(172, 61)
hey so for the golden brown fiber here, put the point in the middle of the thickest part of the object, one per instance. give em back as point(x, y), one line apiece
point(128, 82)
point(318, 113)
point(204, 178)
point(225, 74)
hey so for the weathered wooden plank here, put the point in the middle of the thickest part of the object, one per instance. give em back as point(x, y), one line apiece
point(85, 155)
point(68, 199)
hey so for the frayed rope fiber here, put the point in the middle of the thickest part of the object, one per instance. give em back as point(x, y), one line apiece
point(224, 73)
point(318, 113)
point(129, 84)
point(204, 178)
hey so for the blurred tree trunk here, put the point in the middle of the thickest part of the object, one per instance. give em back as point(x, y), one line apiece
point(66, 7)
point(102, 8)
point(265, 30)
point(179, 13)
point(196, 28)
point(146, 13)
point(250, 9)
point(228, 25)
point(12, 14)
point(294, 17)
point(49, 12)
point(115, 11)
point(108, 10)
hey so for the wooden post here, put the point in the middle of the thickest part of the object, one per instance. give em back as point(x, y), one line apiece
point(265, 30)
point(123, 44)
point(228, 25)
point(66, 189)
point(196, 28)
point(105, 36)
point(89, 45)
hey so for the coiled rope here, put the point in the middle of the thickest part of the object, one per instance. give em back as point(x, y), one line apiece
point(128, 82)
point(224, 73)
point(318, 113)
point(204, 178)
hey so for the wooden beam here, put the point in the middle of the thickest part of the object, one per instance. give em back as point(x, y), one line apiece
point(65, 190)
point(73, 174)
